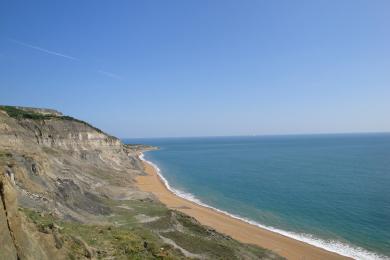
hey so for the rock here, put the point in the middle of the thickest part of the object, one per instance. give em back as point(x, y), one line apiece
point(8, 249)
point(59, 242)
point(34, 168)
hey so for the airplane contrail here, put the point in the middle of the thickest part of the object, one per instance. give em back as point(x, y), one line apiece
point(106, 73)
point(109, 74)
point(44, 50)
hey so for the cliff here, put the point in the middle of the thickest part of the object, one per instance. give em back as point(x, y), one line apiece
point(67, 192)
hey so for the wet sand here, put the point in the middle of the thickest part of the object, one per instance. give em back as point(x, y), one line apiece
point(240, 230)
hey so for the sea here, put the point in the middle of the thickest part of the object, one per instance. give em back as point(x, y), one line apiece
point(331, 191)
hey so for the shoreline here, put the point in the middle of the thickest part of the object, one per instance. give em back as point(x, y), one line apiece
point(228, 224)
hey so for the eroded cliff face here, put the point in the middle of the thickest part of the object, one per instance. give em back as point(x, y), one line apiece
point(67, 192)
point(60, 166)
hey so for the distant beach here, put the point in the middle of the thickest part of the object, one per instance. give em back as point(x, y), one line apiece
point(328, 191)
point(238, 229)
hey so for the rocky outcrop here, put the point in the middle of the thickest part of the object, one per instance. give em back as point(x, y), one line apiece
point(7, 240)
point(18, 240)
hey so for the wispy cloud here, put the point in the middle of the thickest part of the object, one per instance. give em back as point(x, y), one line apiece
point(62, 55)
point(44, 50)
point(109, 74)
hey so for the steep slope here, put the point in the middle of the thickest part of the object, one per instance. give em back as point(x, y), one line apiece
point(67, 191)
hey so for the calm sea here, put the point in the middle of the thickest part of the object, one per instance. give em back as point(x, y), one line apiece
point(332, 191)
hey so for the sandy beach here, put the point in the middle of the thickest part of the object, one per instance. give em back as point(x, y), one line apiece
point(240, 230)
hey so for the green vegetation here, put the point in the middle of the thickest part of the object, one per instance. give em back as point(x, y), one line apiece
point(143, 229)
point(200, 245)
point(5, 154)
point(104, 241)
point(19, 114)
point(69, 118)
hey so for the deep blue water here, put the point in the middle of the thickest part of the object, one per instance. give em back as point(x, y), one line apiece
point(333, 187)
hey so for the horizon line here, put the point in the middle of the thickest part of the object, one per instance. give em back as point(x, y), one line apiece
point(258, 135)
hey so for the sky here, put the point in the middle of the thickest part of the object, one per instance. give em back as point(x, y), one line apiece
point(201, 67)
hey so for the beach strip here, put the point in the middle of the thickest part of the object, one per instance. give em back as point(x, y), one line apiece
point(237, 229)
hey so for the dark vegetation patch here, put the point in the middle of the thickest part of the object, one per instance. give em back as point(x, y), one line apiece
point(5, 154)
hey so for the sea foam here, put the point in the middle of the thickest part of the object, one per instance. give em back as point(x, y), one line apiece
point(329, 245)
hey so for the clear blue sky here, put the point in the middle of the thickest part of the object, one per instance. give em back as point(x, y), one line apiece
point(197, 67)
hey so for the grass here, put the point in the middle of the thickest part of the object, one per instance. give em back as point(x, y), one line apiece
point(124, 237)
point(105, 241)
point(192, 225)
point(19, 114)
point(201, 245)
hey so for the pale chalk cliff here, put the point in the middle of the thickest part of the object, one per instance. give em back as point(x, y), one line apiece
point(67, 192)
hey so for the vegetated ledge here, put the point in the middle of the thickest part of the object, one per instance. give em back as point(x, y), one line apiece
point(141, 147)
point(41, 114)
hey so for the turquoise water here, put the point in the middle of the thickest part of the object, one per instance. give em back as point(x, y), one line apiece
point(329, 190)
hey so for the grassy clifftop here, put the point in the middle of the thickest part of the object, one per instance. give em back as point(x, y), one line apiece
point(19, 113)
point(29, 113)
